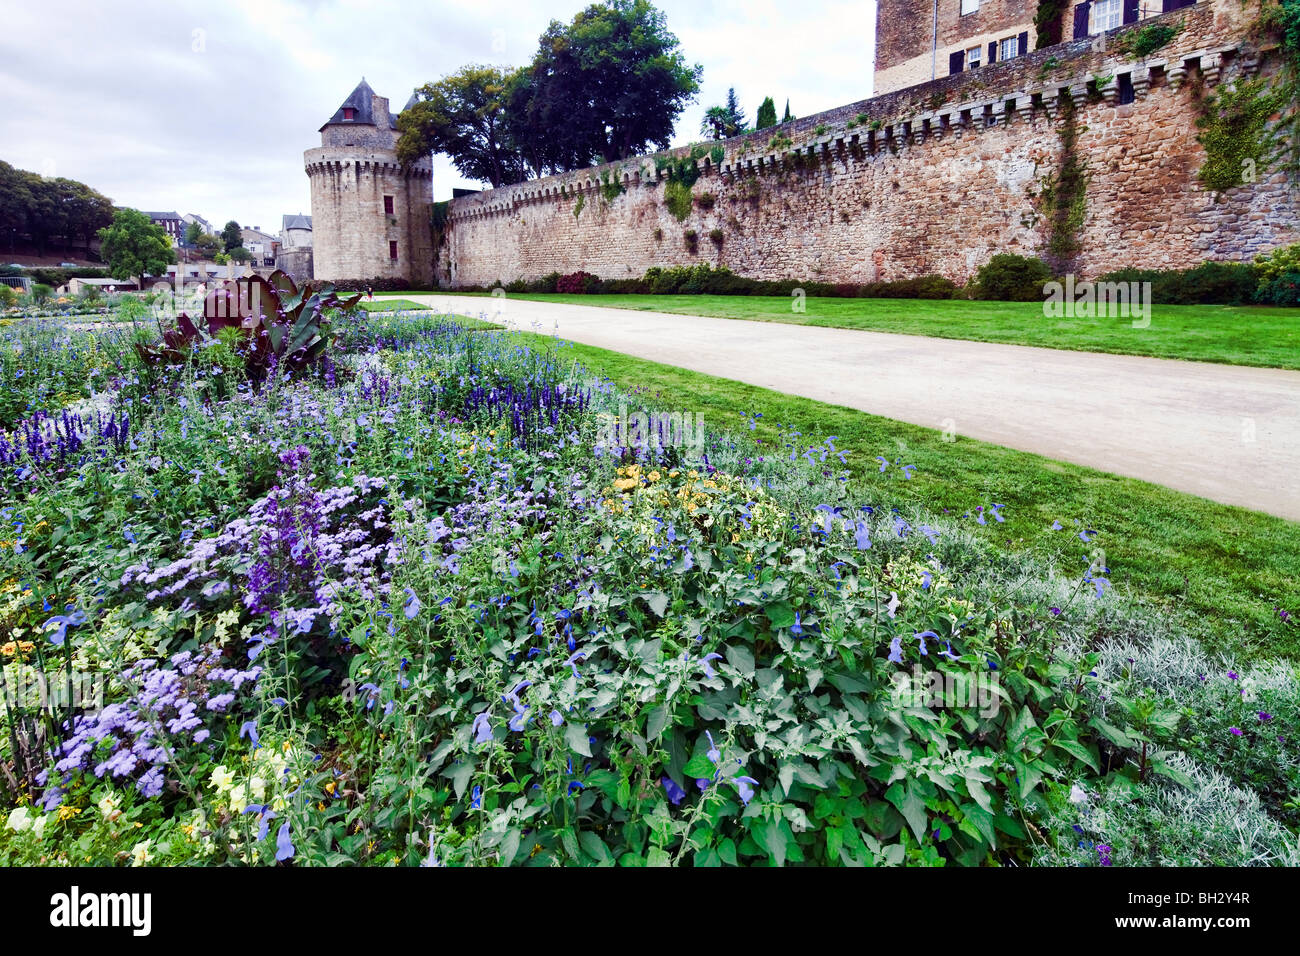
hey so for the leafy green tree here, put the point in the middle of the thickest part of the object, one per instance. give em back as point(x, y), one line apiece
point(611, 83)
point(723, 121)
point(464, 116)
point(207, 244)
point(766, 115)
point(133, 246)
point(192, 233)
point(240, 254)
point(231, 237)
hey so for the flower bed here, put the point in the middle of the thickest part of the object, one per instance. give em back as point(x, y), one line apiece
point(411, 606)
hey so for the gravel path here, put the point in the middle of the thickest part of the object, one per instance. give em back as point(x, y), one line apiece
point(1224, 432)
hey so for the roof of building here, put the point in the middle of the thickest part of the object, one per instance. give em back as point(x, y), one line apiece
point(161, 215)
point(362, 102)
point(296, 222)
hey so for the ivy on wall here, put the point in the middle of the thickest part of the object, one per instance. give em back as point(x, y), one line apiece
point(1234, 131)
point(1063, 195)
point(1049, 20)
point(1235, 128)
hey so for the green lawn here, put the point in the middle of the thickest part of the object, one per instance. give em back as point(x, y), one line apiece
point(1235, 335)
point(1228, 567)
point(392, 305)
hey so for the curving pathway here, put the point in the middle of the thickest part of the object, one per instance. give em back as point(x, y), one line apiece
point(1224, 432)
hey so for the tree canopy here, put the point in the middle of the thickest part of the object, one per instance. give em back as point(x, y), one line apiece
point(723, 121)
point(231, 236)
point(47, 209)
point(133, 246)
point(464, 115)
point(766, 115)
point(603, 87)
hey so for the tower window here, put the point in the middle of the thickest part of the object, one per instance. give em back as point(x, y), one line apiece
point(388, 205)
point(392, 250)
point(969, 6)
point(349, 113)
point(973, 57)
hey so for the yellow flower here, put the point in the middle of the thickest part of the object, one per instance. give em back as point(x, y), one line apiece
point(140, 854)
point(67, 813)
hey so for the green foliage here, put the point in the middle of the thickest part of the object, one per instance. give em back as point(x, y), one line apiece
point(578, 206)
point(41, 293)
point(133, 246)
point(1234, 131)
point(1210, 283)
point(766, 114)
point(1063, 194)
point(611, 187)
point(231, 237)
point(49, 210)
point(682, 172)
point(1012, 278)
point(1142, 41)
point(721, 122)
point(1049, 21)
point(605, 86)
point(465, 116)
point(716, 236)
point(787, 116)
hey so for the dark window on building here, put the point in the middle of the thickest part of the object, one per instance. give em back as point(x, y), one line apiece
point(392, 251)
point(993, 51)
point(388, 205)
point(349, 113)
point(955, 61)
point(1130, 11)
point(1081, 16)
point(1177, 4)
point(1126, 94)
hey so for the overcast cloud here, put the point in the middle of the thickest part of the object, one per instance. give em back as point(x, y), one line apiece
point(207, 108)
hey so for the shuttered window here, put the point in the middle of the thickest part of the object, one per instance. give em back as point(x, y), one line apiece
point(956, 60)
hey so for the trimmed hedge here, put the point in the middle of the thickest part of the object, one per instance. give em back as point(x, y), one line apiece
point(1210, 283)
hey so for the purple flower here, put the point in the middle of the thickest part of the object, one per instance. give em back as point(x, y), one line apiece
point(675, 793)
point(556, 719)
point(520, 720)
point(861, 536)
point(921, 636)
point(948, 653)
point(249, 729)
point(1265, 716)
point(896, 651)
point(1056, 611)
point(1235, 731)
point(1103, 854)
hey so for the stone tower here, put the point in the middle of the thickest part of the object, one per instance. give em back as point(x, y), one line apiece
point(371, 216)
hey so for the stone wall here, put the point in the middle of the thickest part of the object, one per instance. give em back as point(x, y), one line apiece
point(933, 178)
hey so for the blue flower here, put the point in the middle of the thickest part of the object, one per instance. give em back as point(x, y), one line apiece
point(249, 729)
point(896, 651)
point(412, 605)
point(63, 622)
point(948, 653)
point(797, 627)
point(709, 672)
point(580, 655)
point(921, 636)
point(520, 720)
point(861, 536)
point(675, 793)
point(745, 788)
point(284, 849)
point(482, 728)
point(476, 798)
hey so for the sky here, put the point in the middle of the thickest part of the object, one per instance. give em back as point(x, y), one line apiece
point(207, 108)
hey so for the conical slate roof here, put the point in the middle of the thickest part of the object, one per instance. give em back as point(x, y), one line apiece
point(362, 100)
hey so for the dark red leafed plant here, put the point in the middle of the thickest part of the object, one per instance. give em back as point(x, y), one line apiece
point(280, 324)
